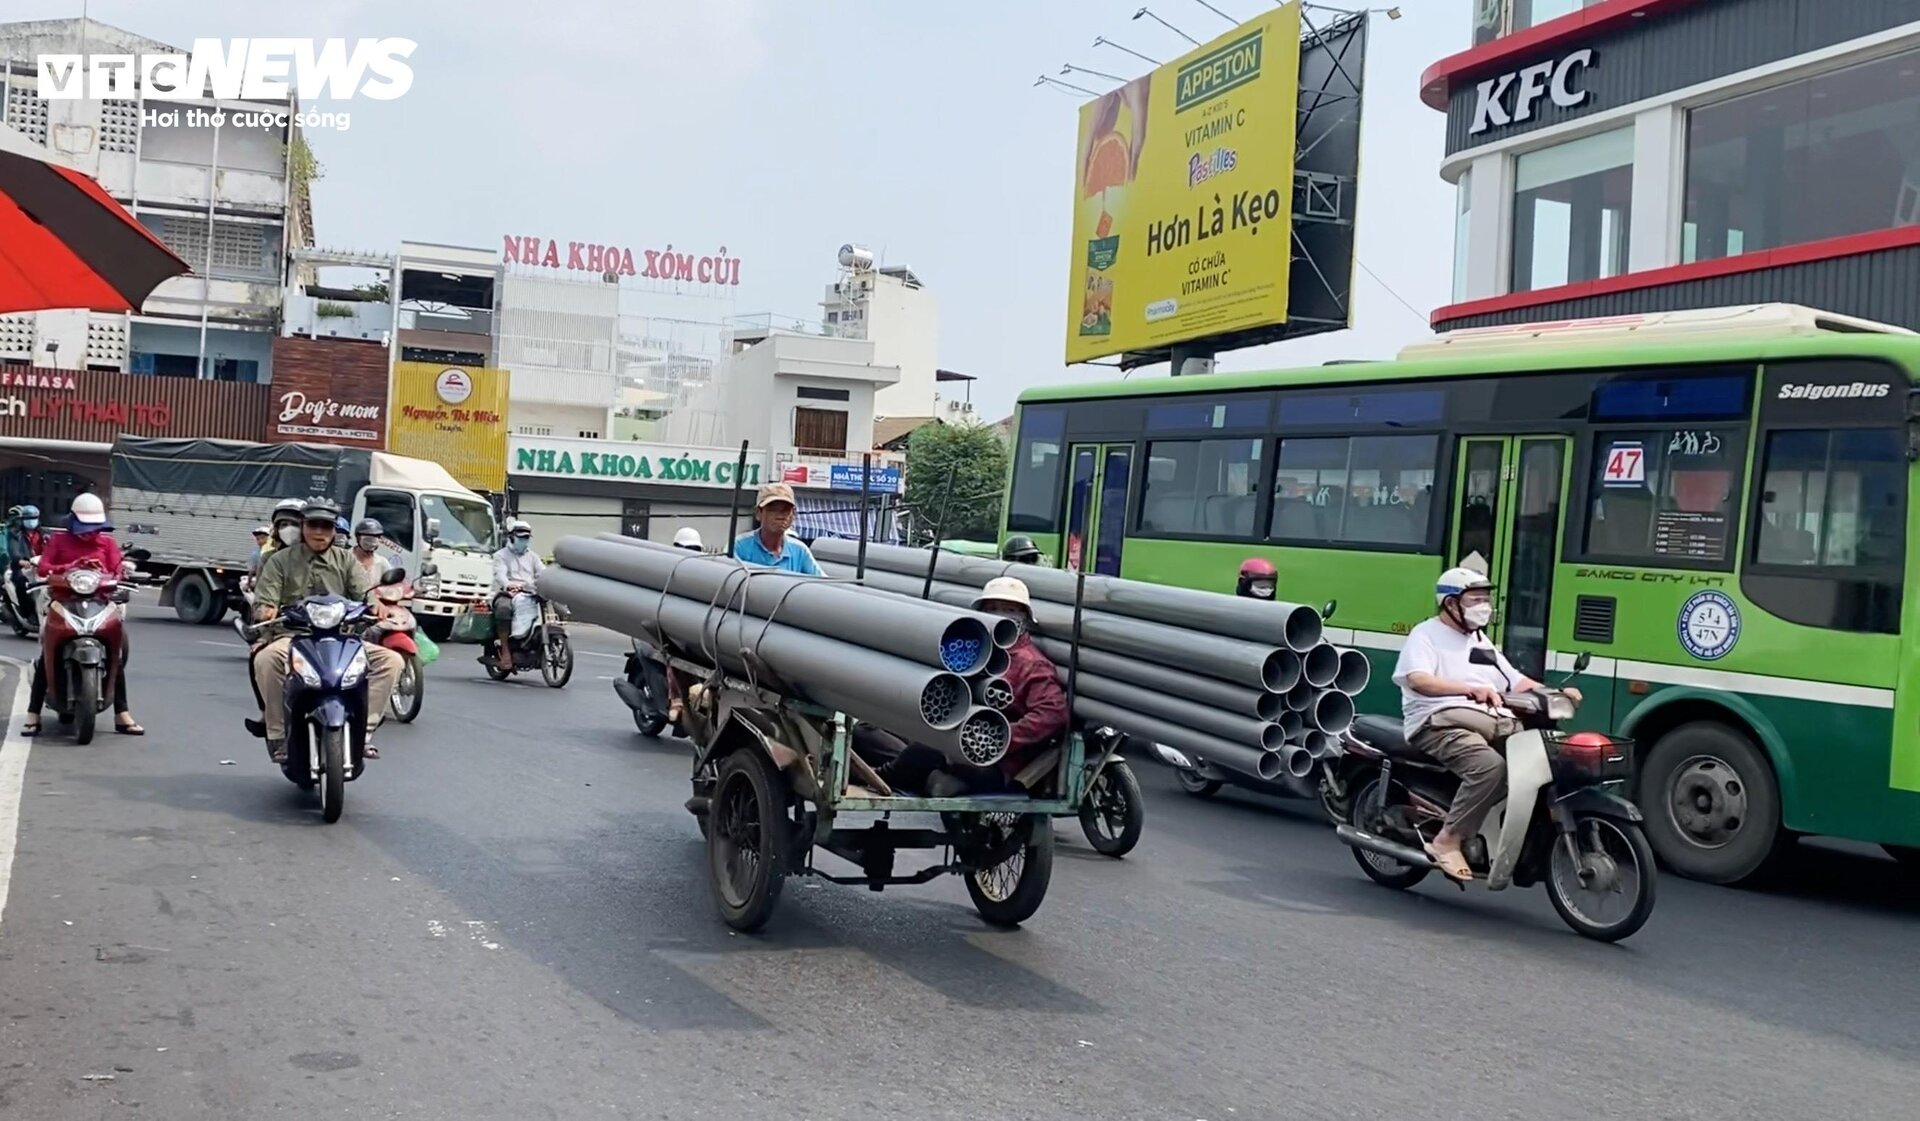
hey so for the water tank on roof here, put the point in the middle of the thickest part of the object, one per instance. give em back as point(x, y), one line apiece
point(858, 258)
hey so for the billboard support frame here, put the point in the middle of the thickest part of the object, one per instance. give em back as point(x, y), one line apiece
point(1324, 200)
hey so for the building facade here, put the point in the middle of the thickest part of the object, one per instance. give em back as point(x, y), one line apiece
point(1628, 156)
point(230, 201)
point(889, 307)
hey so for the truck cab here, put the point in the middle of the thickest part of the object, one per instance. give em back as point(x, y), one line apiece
point(432, 520)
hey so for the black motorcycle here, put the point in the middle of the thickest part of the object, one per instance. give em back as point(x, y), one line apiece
point(325, 694)
point(17, 607)
point(644, 690)
point(545, 645)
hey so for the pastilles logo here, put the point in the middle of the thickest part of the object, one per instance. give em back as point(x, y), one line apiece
point(1202, 168)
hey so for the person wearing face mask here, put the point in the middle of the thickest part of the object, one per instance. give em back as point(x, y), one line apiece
point(366, 542)
point(515, 568)
point(25, 541)
point(87, 543)
point(1453, 706)
point(1257, 579)
point(286, 527)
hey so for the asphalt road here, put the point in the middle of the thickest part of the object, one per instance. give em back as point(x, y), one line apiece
point(513, 921)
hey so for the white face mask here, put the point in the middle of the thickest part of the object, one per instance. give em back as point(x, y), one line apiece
point(1261, 591)
point(289, 534)
point(1478, 616)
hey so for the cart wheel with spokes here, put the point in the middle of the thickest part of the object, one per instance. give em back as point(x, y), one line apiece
point(1008, 893)
point(748, 845)
point(1113, 814)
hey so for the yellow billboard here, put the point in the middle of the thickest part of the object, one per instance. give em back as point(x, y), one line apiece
point(1183, 196)
point(455, 416)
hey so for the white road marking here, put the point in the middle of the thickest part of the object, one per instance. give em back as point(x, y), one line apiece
point(13, 777)
point(229, 645)
point(598, 654)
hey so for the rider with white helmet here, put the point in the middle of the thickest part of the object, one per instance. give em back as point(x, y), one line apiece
point(1452, 680)
point(515, 568)
point(688, 538)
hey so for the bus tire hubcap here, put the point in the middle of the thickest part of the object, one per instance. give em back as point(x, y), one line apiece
point(1707, 801)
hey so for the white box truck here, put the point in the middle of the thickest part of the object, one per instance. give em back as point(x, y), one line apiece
point(191, 506)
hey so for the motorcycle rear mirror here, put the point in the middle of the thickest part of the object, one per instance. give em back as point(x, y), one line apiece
point(1327, 611)
point(123, 595)
point(138, 555)
point(1482, 656)
point(394, 576)
point(1581, 663)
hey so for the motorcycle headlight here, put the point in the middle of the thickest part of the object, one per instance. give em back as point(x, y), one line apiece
point(83, 582)
point(356, 669)
point(297, 662)
point(326, 616)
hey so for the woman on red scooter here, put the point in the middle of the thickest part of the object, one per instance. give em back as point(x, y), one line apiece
point(87, 543)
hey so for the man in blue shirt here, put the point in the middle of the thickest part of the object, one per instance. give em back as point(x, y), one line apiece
point(769, 546)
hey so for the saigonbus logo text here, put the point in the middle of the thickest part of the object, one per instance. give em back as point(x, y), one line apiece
point(1792, 392)
point(236, 69)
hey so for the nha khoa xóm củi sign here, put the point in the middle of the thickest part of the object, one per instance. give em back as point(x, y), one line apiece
point(638, 466)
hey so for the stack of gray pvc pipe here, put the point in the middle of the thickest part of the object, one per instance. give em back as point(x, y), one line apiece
point(1243, 684)
point(914, 669)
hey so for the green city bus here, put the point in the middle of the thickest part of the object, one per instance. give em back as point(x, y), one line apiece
point(1713, 504)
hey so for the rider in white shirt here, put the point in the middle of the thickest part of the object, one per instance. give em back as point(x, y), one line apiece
point(1452, 680)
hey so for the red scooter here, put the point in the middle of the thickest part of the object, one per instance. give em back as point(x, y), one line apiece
point(83, 644)
point(395, 630)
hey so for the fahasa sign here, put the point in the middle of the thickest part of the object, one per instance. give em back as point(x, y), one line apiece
point(654, 264)
point(1510, 98)
point(237, 69)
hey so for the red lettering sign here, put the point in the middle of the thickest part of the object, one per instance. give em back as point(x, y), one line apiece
point(597, 257)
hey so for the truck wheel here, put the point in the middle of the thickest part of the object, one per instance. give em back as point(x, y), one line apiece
point(1712, 804)
point(195, 600)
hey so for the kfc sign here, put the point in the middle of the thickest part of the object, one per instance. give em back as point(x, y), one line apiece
point(616, 260)
point(1510, 98)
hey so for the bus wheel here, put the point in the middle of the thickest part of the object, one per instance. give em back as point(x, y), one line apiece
point(1712, 804)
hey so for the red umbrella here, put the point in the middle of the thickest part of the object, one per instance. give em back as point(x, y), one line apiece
point(64, 243)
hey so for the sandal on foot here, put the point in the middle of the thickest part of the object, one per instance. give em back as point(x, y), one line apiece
point(369, 752)
point(133, 729)
point(32, 729)
point(278, 754)
point(1452, 865)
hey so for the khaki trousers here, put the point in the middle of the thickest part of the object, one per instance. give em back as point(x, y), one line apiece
point(270, 676)
point(1466, 741)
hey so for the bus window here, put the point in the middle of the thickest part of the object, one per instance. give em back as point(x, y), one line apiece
point(1830, 533)
point(1665, 496)
point(1034, 505)
point(1832, 499)
point(1202, 488)
point(1370, 490)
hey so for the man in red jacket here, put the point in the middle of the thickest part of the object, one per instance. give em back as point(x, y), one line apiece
point(1038, 713)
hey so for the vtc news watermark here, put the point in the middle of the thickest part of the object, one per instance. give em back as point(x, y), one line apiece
point(227, 70)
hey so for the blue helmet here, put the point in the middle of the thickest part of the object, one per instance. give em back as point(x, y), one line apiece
point(30, 512)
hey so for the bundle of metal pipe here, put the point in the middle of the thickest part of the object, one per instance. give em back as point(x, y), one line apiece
point(1150, 658)
point(1290, 625)
point(898, 680)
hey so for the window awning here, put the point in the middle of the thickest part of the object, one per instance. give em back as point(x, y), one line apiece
point(839, 516)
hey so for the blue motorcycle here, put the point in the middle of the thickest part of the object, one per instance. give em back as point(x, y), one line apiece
point(326, 695)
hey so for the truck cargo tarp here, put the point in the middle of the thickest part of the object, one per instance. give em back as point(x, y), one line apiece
point(406, 473)
point(232, 468)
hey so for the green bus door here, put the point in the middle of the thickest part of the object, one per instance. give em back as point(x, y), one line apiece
point(1099, 479)
point(1507, 512)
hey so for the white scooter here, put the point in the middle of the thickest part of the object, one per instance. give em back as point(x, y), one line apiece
point(1559, 824)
